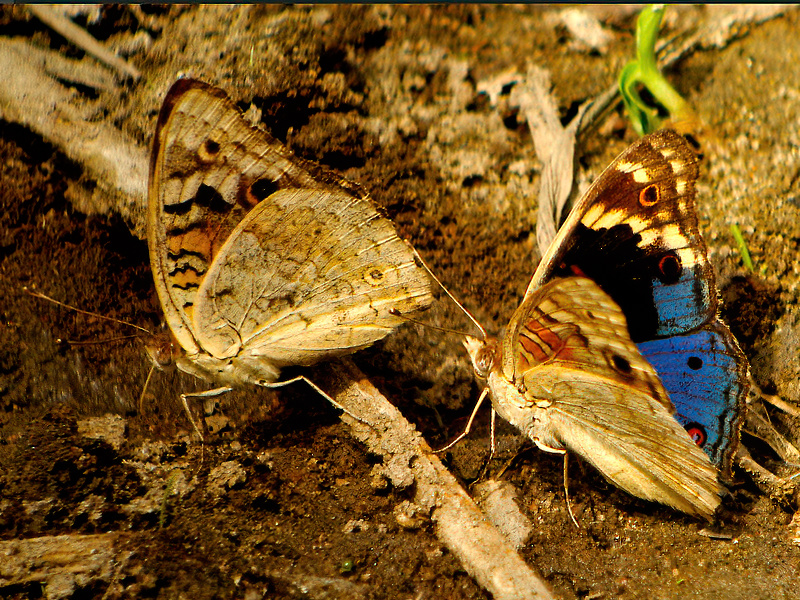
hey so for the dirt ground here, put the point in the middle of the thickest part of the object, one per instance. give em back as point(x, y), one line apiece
point(413, 103)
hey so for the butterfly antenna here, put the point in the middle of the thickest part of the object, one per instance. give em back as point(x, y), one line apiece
point(83, 312)
point(94, 342)
point(446, 291)
point(397, 313)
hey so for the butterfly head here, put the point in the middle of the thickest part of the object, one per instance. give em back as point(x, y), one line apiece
point(163, 350)
point(483, 353)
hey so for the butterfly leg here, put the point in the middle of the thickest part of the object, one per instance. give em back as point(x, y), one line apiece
point(492, 430)
point(278, 384)
point(144, 388)
point(545, 448)
point(469, 424)
point(205, 394)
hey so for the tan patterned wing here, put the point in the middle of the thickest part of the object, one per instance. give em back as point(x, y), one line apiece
point(570, 377)
point(208, 168)
point(571, 323)
point(307, 274)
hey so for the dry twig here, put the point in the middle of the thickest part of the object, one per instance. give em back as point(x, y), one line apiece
point(488, 556)
point(83, 40)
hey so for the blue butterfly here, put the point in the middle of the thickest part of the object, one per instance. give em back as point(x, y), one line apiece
point(635, 233)
point(618, 334)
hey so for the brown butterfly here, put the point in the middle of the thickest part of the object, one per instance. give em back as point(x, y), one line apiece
point(258, 263)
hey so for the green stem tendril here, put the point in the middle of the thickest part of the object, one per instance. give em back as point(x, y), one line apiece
point(644, 72)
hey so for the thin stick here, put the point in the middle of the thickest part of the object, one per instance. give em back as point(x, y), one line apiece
point(83, 40)
point(776, 401)
point(483, 551)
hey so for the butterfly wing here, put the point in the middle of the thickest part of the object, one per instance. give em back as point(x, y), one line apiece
point(229, 271)
point(635, 233)
point(571, 377)
point(706, 375)
point(208, 168)
point(308, 274)
point(634, 443)
point(573, 324)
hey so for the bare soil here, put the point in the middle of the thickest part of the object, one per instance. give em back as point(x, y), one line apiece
point(281, 501)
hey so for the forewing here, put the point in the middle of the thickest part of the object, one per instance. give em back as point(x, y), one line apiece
point(635, 233)
point(573, 324)
point(208, 168)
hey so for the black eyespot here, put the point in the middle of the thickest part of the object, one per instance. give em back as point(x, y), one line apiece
point(621, 364)
point(649, 195)
point(211, 147)
point(669, 268)
point(263, 188)
point(373, 276)
point(695, 363)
